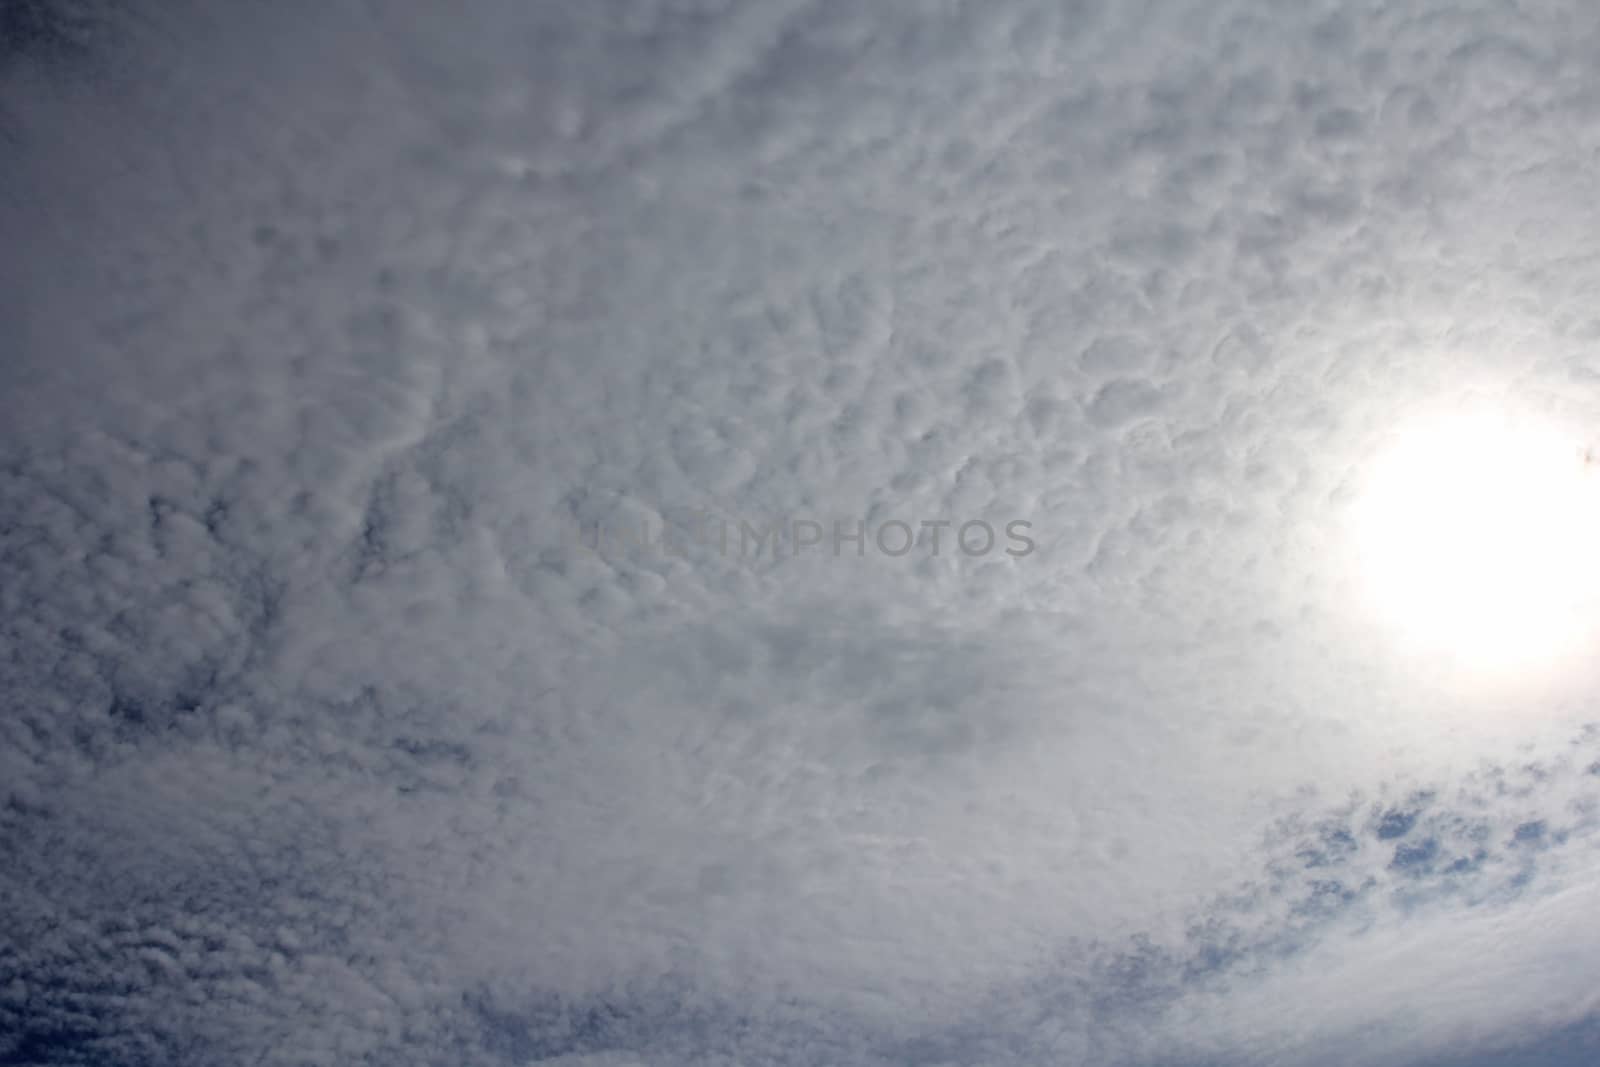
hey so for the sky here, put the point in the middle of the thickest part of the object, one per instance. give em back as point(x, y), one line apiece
point(786, 532)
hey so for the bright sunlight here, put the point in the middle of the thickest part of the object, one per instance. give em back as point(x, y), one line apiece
point(1479, 537)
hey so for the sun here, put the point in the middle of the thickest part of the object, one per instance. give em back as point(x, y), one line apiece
point(1479, 539)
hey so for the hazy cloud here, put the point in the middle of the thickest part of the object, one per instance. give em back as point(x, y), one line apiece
point(325, 324)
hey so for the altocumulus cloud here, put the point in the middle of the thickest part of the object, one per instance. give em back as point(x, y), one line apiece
point(324, 325)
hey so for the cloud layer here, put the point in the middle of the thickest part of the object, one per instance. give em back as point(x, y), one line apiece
point(324, 742)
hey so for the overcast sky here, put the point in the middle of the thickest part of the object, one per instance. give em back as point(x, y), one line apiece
point(346, 347)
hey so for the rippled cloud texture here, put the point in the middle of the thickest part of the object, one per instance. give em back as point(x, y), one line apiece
point(323, 326)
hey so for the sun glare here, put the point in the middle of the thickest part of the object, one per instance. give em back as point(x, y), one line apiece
point(1480, 540)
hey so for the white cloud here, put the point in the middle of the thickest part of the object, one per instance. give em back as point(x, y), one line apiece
point(325, 741)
